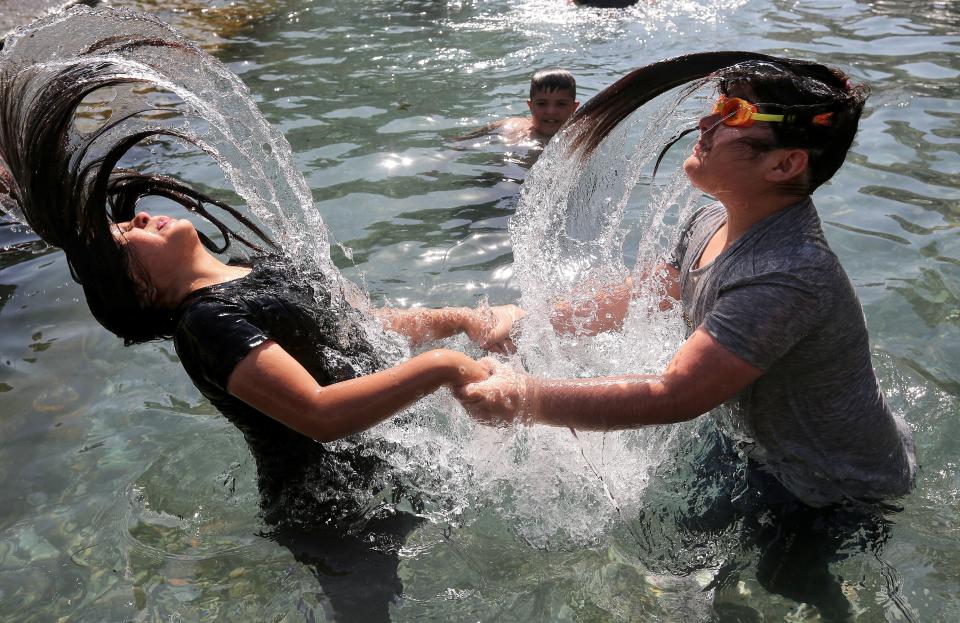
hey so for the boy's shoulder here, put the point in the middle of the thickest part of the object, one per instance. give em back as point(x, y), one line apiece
point(511, 130)
point(519, 130)
point(516, 124)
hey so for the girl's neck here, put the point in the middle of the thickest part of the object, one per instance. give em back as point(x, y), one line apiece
point(201, 271)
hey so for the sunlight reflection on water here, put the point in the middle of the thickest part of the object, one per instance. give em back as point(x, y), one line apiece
point(125, 489)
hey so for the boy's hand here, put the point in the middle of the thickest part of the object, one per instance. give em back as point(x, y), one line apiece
point(500, 399)
point(489, 327)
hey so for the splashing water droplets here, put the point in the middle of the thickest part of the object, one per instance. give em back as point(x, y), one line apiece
point(569, 236)
point(568, 233)
point(162, 74)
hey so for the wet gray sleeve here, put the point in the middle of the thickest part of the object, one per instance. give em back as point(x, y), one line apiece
point(761, 317)
point(675, 258)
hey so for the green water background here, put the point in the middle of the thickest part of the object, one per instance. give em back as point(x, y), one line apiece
point(126, 497)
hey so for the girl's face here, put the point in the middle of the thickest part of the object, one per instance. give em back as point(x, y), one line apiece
point(160, 245)
point(726, 159)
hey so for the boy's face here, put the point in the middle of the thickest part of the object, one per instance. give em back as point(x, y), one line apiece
point(550, 109)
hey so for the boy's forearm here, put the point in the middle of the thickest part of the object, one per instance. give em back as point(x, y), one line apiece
point(601, 404)
point(422, 324)
point(604, 310)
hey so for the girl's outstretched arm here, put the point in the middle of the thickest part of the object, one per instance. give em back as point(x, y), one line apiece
point(271, 381)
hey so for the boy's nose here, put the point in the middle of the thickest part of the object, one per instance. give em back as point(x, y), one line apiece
point(708, 122)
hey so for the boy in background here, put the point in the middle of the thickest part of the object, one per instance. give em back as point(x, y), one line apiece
point(553, 98)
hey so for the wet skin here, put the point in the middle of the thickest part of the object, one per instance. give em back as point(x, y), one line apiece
point(167, 256)
point(721, 159)
point(160, 243)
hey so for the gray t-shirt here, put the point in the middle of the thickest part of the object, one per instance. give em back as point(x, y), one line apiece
point(779, 299)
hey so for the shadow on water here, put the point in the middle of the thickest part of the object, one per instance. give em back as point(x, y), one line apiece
point(409, 186)
point(442, 227)
point(356, 572)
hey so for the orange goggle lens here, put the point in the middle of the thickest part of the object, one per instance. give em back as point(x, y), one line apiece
point(735, 112)
point(739, 113)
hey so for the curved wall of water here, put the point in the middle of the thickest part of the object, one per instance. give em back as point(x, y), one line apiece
point(217, 113)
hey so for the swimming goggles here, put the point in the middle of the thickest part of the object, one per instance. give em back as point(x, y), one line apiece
point(739, 113)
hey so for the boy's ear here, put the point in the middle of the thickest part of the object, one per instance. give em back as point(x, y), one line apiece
point(786, 164)
point(530, 105)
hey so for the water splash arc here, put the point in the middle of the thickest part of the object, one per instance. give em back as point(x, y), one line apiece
point(217, 115)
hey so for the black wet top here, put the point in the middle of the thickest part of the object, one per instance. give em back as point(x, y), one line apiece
point(301, 481)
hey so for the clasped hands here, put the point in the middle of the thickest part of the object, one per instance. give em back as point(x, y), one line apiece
point(496, 394)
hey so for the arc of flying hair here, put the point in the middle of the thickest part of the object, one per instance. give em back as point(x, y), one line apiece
point(64, 198)
point(670, 143)
point(124, 187)
point(596, 119)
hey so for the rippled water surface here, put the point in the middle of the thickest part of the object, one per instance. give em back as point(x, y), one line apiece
point(126, 497)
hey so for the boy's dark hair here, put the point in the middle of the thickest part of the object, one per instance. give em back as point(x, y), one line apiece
point(802, 90)
point(799, 89)
point(553, 79)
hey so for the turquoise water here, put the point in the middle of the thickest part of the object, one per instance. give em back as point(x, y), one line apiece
point(126, 497)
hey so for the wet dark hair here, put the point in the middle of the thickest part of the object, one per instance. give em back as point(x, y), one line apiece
point(553, 79)
point(802, 91)
point(799, 89)
point(71, 197)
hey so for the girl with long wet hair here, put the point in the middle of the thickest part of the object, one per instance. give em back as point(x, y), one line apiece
point(275, 346)
point(776, 330)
